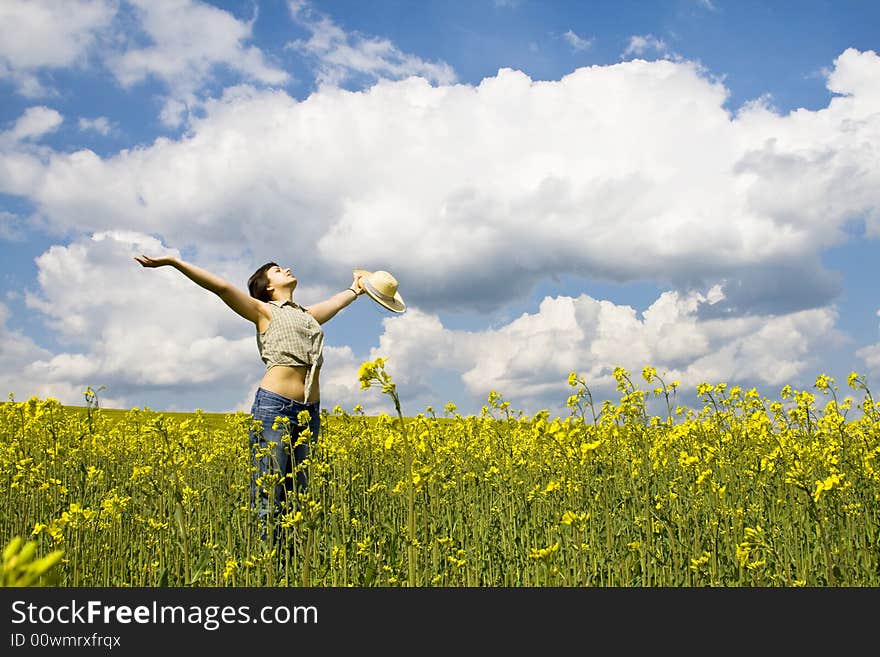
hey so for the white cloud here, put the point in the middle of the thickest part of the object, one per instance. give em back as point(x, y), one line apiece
point(17, 351)
point(189, 40)
point(39, 35)
point(640, 44)
point(11, 227)
point(128, 327)
point(33, 124)
point(341, 55)
point(528, 359)
point(101, 124)
point(461, 189)
point(576, 42)
point(182, 43)
point(854, 76)
point(870, 354)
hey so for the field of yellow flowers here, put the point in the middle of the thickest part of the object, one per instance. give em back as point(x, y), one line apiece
point(743, 492)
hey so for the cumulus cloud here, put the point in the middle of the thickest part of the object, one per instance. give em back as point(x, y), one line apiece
point(341, 56)
point(871, 357)
point(528, 360)
point(23, 157)
point(132, 328)
point(33, 124)
point(17, 351)
point(187, 42)
point(605, 173)
point(181, 43)
point(41, 35)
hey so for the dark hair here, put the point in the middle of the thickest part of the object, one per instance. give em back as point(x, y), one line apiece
point(258, 282)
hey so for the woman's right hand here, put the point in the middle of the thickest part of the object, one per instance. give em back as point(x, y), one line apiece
point(358, 285)
point(147, 261)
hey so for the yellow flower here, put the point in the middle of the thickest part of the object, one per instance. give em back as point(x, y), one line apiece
point(823, 382)
point(827, 484)
point(543, 554)
point(552, 485)
point(231, 569)
point(589, 447)
point(569, 517)
point(371, 371)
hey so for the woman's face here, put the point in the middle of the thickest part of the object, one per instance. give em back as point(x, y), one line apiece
point(280, 278)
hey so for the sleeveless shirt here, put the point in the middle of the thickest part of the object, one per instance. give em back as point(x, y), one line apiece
point(293, 338)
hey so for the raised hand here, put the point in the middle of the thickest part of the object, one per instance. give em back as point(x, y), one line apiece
point(357, 285)
point(147, 261)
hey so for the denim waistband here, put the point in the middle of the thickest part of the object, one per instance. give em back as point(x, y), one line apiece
point(262, 393)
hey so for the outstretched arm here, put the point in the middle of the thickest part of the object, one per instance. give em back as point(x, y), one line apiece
point(327, 309)
point(244, 304)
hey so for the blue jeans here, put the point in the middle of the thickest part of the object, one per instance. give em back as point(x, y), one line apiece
point(266, 408)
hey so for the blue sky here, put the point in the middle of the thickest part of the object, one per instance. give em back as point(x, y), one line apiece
point(558, 186)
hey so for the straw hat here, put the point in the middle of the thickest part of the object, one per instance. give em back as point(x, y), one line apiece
point(382, 288)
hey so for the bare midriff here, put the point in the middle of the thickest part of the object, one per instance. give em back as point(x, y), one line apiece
point(290, 382)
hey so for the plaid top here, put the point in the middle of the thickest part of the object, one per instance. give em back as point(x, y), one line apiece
point(294, 338)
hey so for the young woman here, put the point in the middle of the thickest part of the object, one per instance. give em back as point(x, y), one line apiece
point(290, 341)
